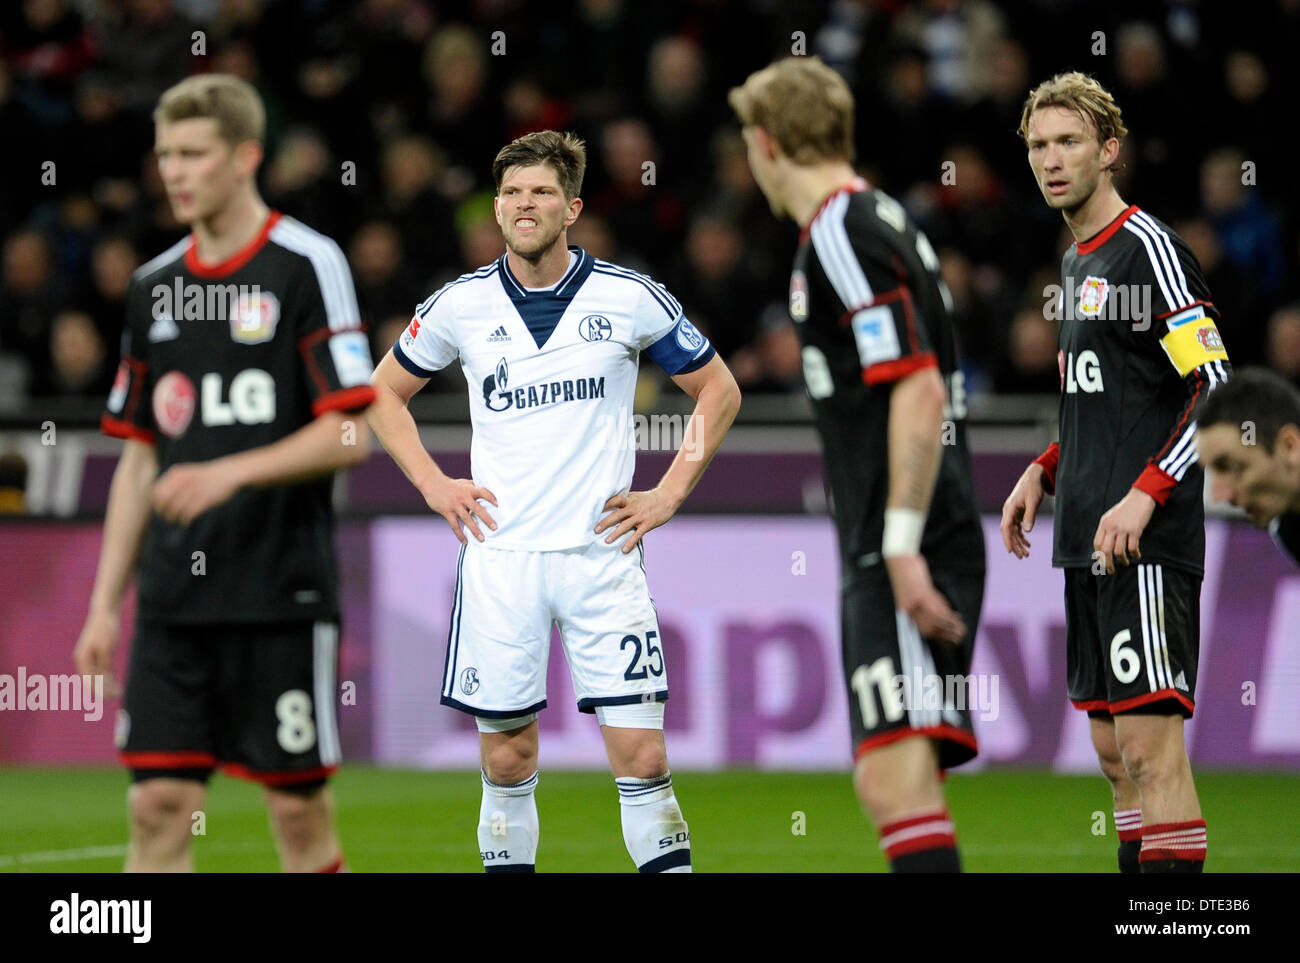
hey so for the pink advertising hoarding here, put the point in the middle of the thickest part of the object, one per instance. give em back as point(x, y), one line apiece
point(749, 612)
point(750, 623)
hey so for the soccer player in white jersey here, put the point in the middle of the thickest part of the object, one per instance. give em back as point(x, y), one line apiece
point(549, 338)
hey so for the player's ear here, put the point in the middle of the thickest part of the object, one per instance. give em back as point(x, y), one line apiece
point(766, 143)
point(248, 157)
point(1109, 153)
point(1287, 447)
point(575, 208)
point(496, 207)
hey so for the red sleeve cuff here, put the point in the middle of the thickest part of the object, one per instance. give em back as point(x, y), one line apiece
point(346, 399)
point(1049, 460)
point(117, 428)
point(1156, 483)
point(899, 368)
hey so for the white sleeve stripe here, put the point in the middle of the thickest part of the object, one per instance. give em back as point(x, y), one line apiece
point(1180, 450)
point(171, 254)
point(1168, 257)
point(332, 272)
point(1156, 265)
point(1184, 463)
point(1183, 454)
point(1163, 237)
point(831, 242)
point(845, 272)
point(341, 307)
point(295, 237)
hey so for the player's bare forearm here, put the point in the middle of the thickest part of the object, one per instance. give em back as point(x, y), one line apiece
point(391, 421)
point(124, 525)
point(717, 400)
point(458, 500)
point(333, 441)
point(915, 443)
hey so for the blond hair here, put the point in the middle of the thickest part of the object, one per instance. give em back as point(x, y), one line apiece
point(229, 100)
point(804, 105)
point(1080, 94)
point(565, 154)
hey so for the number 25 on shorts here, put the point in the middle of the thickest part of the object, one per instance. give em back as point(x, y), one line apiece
point(652, 651)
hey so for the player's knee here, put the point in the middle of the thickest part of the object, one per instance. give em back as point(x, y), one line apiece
point(1112, 764)
point(161, 807)
point(298, 817)
point(876, 788)
point(507, 763)
point(647, 760)
point(1149, 759)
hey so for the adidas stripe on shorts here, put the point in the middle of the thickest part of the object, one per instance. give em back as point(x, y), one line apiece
point(1133, 638)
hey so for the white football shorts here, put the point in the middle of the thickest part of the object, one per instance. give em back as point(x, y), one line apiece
point(500, 637)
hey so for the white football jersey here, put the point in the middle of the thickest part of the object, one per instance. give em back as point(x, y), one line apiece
point(551, 378)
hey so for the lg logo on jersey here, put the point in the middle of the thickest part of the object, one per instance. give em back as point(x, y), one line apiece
point(1080, 374)
point(250, 401)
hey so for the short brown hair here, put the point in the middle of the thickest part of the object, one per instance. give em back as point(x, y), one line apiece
point(565, 154)
point(229, 100)
point(803, 104)
point(1081, 94)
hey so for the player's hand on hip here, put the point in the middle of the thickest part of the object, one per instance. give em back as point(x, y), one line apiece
point(915, 594)
point(1021, 509)
point(636, 512)
point(93, 654)
point(186, 491)
point(457, 500)
point(1120, 529)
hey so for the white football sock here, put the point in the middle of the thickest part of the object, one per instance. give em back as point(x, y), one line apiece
point(654, 829)
point(507, 826)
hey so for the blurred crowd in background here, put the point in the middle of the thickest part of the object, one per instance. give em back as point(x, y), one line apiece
point(415, 97)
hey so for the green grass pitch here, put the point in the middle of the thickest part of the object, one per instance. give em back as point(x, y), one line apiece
point(404, 821)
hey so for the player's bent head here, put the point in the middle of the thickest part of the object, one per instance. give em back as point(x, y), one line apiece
point(566, 154)
point(1248, 437)
point(804, 106)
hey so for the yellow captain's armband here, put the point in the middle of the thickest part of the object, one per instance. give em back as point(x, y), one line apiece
point(1193, 344)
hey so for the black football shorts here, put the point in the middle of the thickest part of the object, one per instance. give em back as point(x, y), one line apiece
point(1132, 639)
point(901, 684)
point(256, 699)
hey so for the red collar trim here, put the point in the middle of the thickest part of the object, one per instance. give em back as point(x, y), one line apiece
point(854, 186)
point(237, 260)
point(1106, 233)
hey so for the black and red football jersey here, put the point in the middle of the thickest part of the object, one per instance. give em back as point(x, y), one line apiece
point(870, 308)
point(221, 358)
point(1139, 350)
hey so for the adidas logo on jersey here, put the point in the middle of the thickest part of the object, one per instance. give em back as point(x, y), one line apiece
point(1180, 681)
point(498, 335)
point(163, 329)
